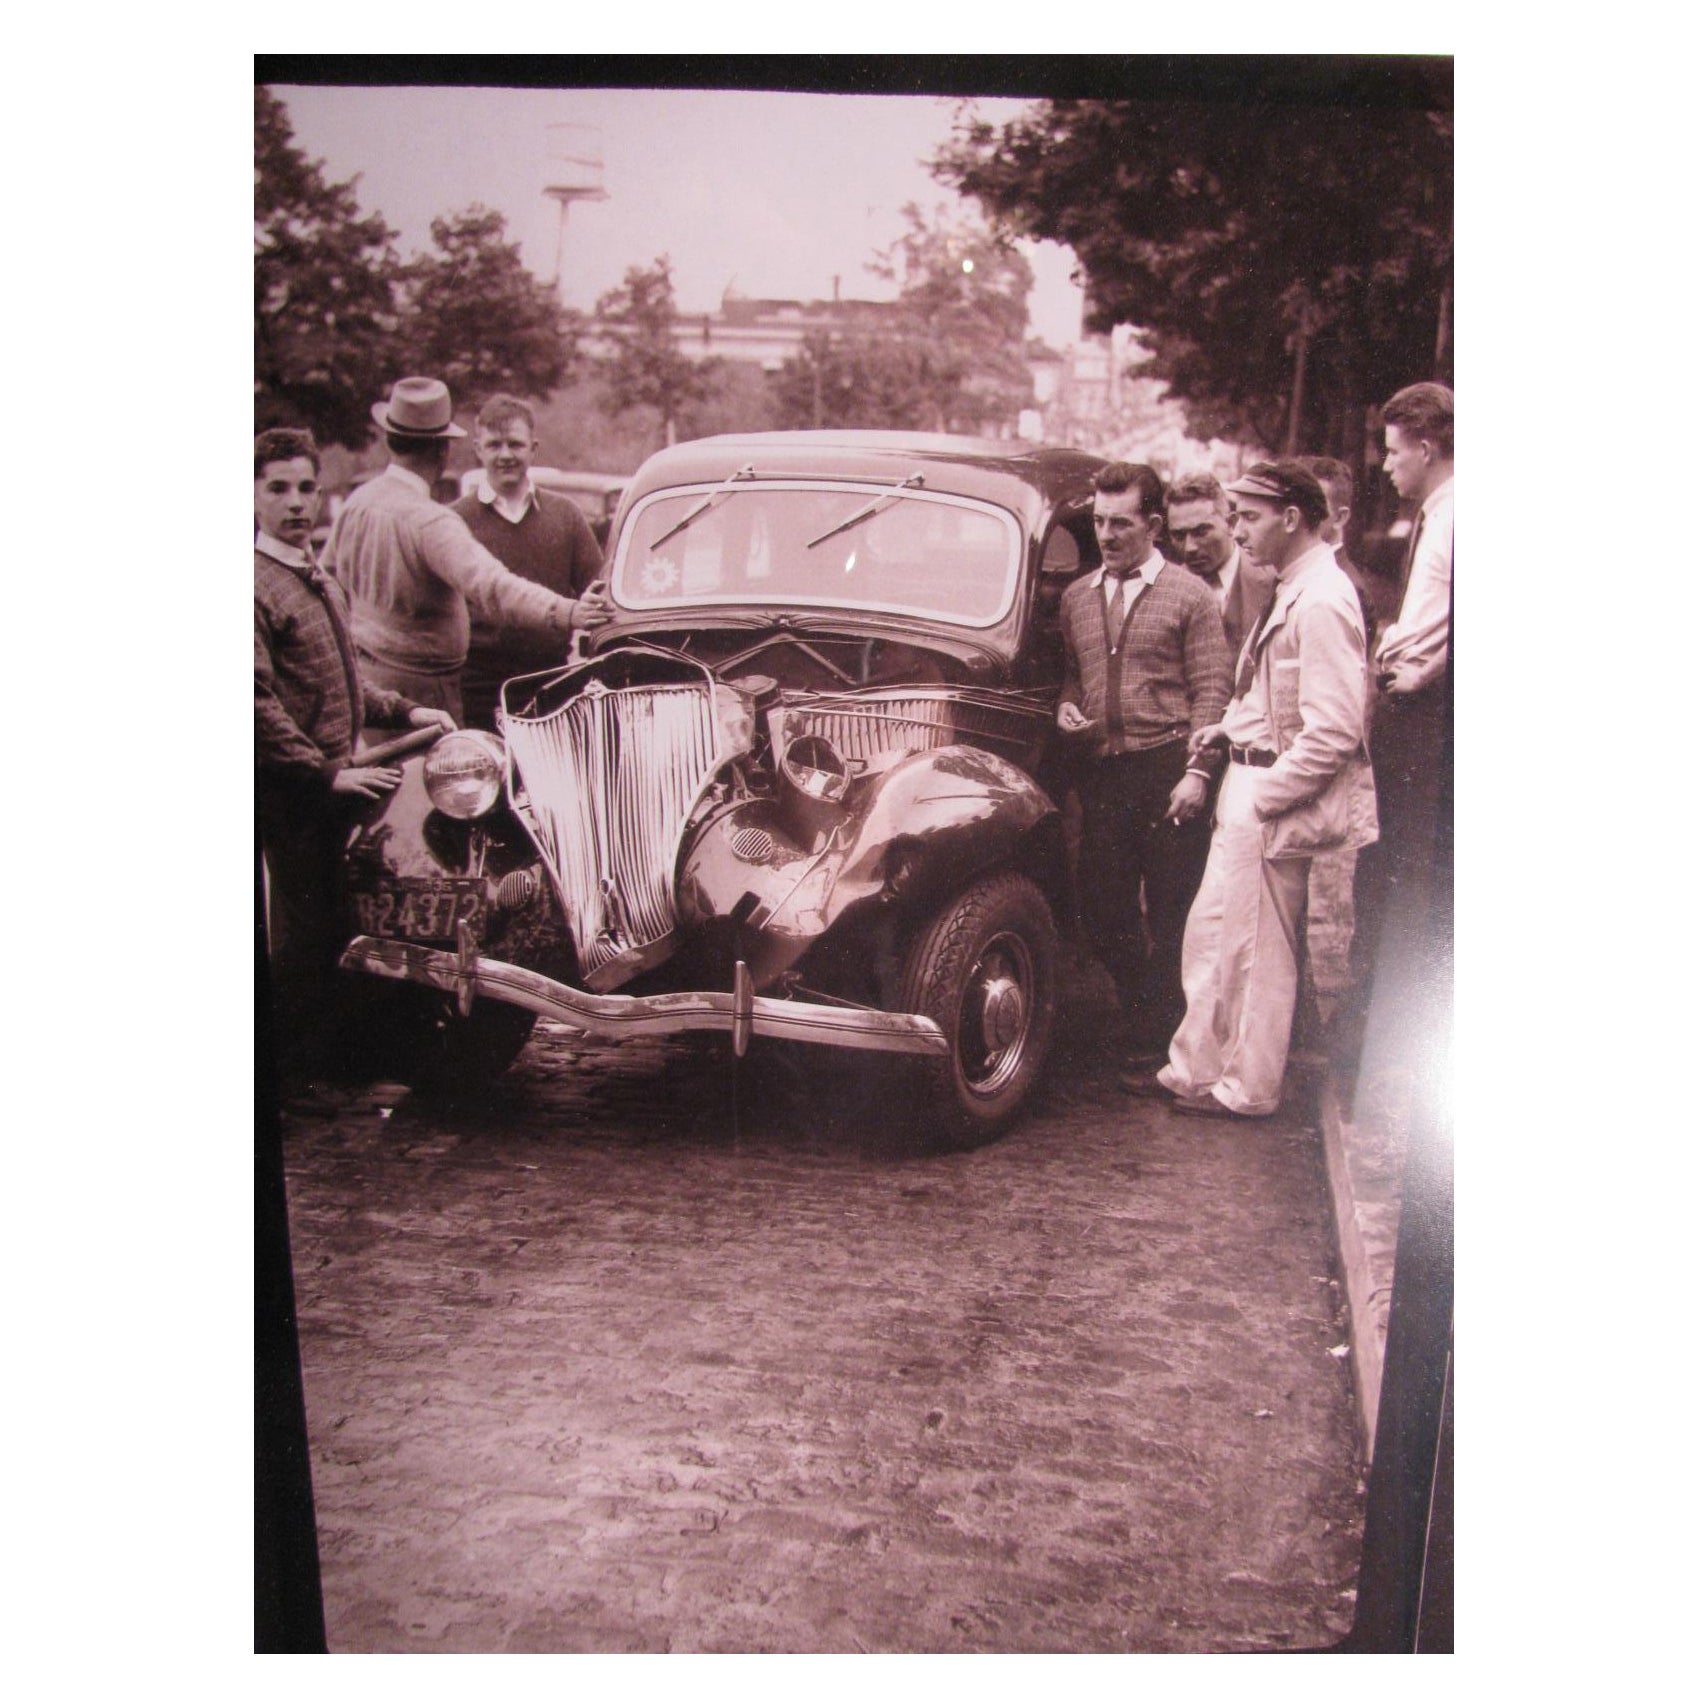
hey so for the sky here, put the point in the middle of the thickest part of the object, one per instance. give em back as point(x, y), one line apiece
point(779, 195)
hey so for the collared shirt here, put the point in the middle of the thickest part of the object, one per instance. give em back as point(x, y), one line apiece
point(1415, 645)
point(1221, 581)
point(1133, 585)
point(293, 557)
point(511, 509)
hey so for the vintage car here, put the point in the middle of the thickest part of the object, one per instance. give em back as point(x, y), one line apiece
point(792, 791)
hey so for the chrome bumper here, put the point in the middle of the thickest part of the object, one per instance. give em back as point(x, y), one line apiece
point(466, 975)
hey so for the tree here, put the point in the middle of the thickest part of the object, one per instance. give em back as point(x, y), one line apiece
point(1289, 260)
point(950, 357)
point(477, 318)
point(325, 277)
point(641, 363)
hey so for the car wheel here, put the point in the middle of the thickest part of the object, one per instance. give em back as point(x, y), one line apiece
point(418, 1037)
point(984, 968)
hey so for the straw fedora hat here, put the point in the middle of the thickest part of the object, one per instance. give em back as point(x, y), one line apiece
point(418, 409)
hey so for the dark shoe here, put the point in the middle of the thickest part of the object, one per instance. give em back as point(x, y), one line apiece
point(1140, 1082)
point(1141, 1056)
point(1210, 1106)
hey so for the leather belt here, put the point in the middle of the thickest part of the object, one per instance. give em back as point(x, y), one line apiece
point(1251, 756)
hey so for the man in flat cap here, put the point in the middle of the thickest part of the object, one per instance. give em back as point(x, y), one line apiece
point(412, 568)
point(1297, 785)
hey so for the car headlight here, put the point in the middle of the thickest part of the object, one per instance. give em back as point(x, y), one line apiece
point(464, 773)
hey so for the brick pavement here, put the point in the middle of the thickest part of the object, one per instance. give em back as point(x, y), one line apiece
point(589, 1368)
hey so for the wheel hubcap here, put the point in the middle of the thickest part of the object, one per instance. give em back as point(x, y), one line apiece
point(1004, 1010)
point(996, 1015)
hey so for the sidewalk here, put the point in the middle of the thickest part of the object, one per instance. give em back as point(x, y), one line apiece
point(1365, 1156)
point(1365, 1160)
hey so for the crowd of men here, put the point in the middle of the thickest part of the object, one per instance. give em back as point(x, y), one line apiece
point(1242, 712)
point(418, 616)
point(1238, 707)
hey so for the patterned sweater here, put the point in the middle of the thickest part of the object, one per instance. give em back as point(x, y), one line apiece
point(1165, 673)
point(310, 700)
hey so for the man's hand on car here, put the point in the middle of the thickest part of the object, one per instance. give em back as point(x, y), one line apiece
point(594, 607)
point(431, 717)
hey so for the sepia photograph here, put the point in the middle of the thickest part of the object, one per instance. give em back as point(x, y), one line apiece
point(853, 855)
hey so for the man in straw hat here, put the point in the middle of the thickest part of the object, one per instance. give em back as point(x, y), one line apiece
point(1297, 785)
point(412, 568)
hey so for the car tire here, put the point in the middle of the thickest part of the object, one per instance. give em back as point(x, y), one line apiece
point(417, 1037)
point(984, 968)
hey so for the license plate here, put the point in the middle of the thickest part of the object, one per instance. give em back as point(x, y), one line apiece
point(422, 907)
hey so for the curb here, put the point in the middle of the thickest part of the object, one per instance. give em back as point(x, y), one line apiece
point(1366, 1264)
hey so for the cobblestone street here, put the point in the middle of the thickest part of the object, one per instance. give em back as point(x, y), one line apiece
point(639, 1354)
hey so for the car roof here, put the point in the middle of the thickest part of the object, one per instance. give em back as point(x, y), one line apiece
point(952, 463)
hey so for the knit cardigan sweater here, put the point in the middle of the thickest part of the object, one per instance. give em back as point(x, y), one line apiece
point(1165, 673)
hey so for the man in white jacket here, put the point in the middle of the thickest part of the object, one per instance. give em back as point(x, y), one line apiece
point(1297, 785)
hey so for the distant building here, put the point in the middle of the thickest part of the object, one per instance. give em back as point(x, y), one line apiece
point(767, 331)
point(1093, 396)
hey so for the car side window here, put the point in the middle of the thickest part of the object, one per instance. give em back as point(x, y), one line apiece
point(1062, 556)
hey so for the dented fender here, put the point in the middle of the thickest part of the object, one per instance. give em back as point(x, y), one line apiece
point(907, 832)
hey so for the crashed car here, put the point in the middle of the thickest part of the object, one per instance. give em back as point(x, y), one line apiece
point(792, 791)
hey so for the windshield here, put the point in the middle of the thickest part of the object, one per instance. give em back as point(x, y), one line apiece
point(779, 543)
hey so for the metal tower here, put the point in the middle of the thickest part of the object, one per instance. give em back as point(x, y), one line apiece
point(575, 172)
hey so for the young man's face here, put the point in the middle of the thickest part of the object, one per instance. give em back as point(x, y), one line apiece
point(506, 452)
point(1200, 530)
point(1262, 529)
point(287, 500)
point(1407, 462)
point(1124, 533)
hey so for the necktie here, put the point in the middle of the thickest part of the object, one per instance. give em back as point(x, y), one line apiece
point(1411, 552)
point(1248, 653)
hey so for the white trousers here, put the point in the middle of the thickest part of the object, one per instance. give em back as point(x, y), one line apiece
point(1239, 963)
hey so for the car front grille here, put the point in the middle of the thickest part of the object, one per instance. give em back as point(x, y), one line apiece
point(861, 726)
point(609, 778)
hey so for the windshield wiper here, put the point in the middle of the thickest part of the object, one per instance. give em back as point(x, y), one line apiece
point(705, 504)
point(882, 502)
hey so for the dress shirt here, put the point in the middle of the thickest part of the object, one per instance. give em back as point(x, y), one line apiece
point(1133, 585)
point(1414, 648)
point(293, 557)
point(1221, 581)
point(511, 509)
